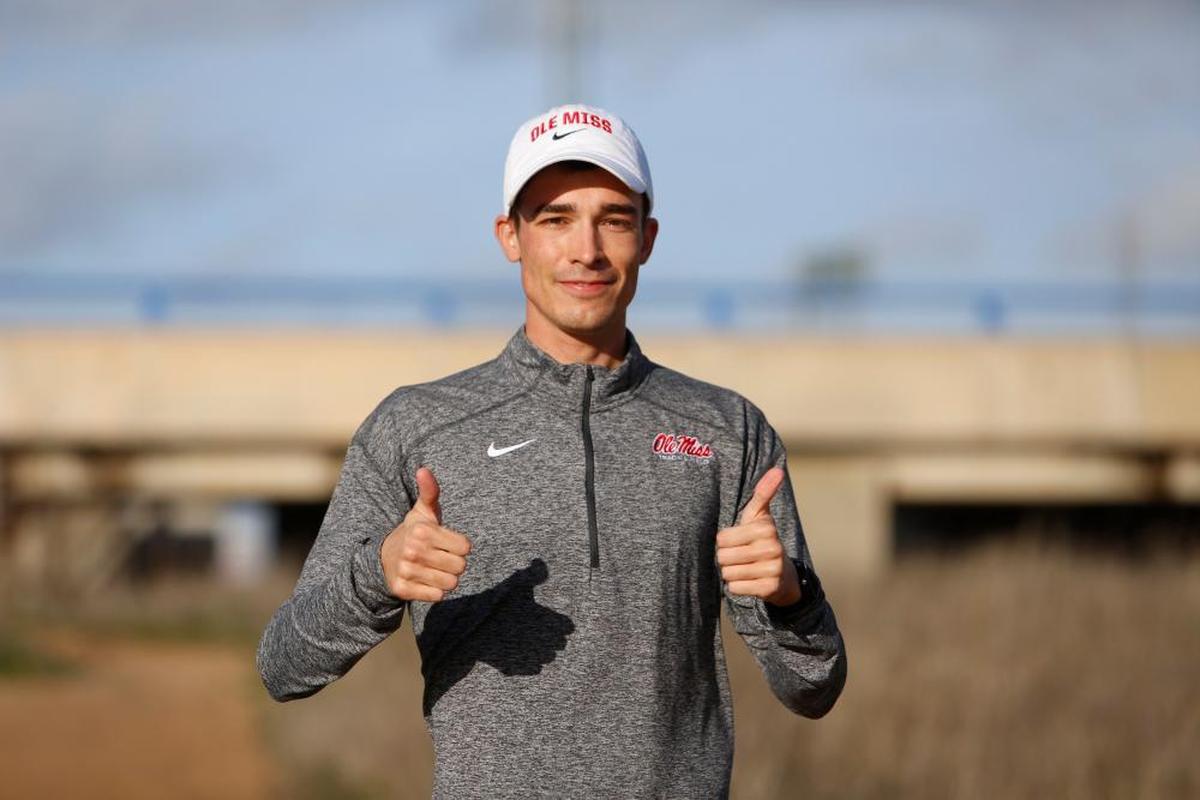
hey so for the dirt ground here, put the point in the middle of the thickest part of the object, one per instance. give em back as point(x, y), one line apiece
point(134, 719)
point(1016, 672)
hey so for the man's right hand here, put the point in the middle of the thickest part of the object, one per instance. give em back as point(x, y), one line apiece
point(421, 559)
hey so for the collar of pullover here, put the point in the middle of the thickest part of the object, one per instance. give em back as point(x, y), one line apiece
point(527, 362)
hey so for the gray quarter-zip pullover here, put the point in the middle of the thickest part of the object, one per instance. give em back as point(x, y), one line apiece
point(580, 655)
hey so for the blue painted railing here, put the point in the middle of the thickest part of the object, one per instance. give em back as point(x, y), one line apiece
point(877, 305)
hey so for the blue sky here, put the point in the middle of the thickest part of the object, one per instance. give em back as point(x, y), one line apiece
point(976, 140)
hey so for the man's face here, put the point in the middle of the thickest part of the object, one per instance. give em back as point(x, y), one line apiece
point(580, 241)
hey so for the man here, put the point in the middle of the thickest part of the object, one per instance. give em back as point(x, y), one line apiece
point(562, 522)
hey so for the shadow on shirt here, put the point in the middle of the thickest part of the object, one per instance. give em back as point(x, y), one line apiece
point(502, 626)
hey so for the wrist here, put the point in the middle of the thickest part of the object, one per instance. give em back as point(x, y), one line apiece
point(808, 590)
point(785, 597)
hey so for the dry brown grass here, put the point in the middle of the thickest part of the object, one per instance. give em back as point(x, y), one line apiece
point(1015, 672)
point(1007, 672)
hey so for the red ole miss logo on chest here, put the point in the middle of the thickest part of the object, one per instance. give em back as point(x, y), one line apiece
point(675, 446)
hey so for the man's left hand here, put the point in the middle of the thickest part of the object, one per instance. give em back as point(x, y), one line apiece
point(753, 561)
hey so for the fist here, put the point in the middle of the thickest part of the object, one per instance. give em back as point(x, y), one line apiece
point(752, 559)
point(421, 559)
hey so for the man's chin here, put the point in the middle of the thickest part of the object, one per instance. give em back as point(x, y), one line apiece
point(586, 325)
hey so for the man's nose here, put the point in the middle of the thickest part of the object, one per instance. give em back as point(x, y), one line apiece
point(585, 244)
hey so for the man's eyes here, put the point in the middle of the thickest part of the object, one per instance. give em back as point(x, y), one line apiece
point(615, 223)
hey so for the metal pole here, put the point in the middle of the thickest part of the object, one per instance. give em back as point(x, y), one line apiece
point(564, 32)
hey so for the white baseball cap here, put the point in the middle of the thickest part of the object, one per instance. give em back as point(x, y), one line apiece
point(576, 133)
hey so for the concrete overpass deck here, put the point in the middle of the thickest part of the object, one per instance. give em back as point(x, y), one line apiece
point(97, 424)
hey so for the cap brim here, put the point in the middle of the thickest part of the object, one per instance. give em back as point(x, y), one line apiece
point(618, 170)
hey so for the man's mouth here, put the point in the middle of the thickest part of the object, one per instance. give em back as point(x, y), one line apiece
point(586, 287)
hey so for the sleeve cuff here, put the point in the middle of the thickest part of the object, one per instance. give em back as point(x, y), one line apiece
point(370, 584)
point(799, 613)
point(786, 615)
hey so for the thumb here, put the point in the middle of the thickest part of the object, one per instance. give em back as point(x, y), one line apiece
point(764, 490)
point(427, 494)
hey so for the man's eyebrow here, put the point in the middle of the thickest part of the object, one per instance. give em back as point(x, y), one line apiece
point(554, 208)
point(619, 208)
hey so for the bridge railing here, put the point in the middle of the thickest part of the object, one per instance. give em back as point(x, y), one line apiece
point(934, 306)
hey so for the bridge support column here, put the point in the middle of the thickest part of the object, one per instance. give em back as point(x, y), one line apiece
point(845, 511)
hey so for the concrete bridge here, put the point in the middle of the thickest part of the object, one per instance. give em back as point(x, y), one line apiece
point(106, 434)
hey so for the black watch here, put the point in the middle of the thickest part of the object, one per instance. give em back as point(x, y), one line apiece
point(811, 592)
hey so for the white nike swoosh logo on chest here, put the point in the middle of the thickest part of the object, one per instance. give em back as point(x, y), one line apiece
point(494, 451)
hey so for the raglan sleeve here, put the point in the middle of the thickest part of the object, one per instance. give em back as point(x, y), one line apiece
point(798, 647)
point(341, 606)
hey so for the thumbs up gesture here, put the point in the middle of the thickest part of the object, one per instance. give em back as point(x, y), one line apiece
point(421, 559)
point(752, 559)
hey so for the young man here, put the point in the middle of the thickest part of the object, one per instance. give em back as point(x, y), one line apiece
point(563, 521)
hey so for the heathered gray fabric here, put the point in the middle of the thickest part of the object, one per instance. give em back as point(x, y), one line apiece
point(543, 676)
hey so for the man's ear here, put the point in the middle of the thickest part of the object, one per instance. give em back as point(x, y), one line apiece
point(506, 235)
point(649, 233)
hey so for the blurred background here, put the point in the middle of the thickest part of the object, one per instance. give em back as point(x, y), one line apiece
point(952, 249)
